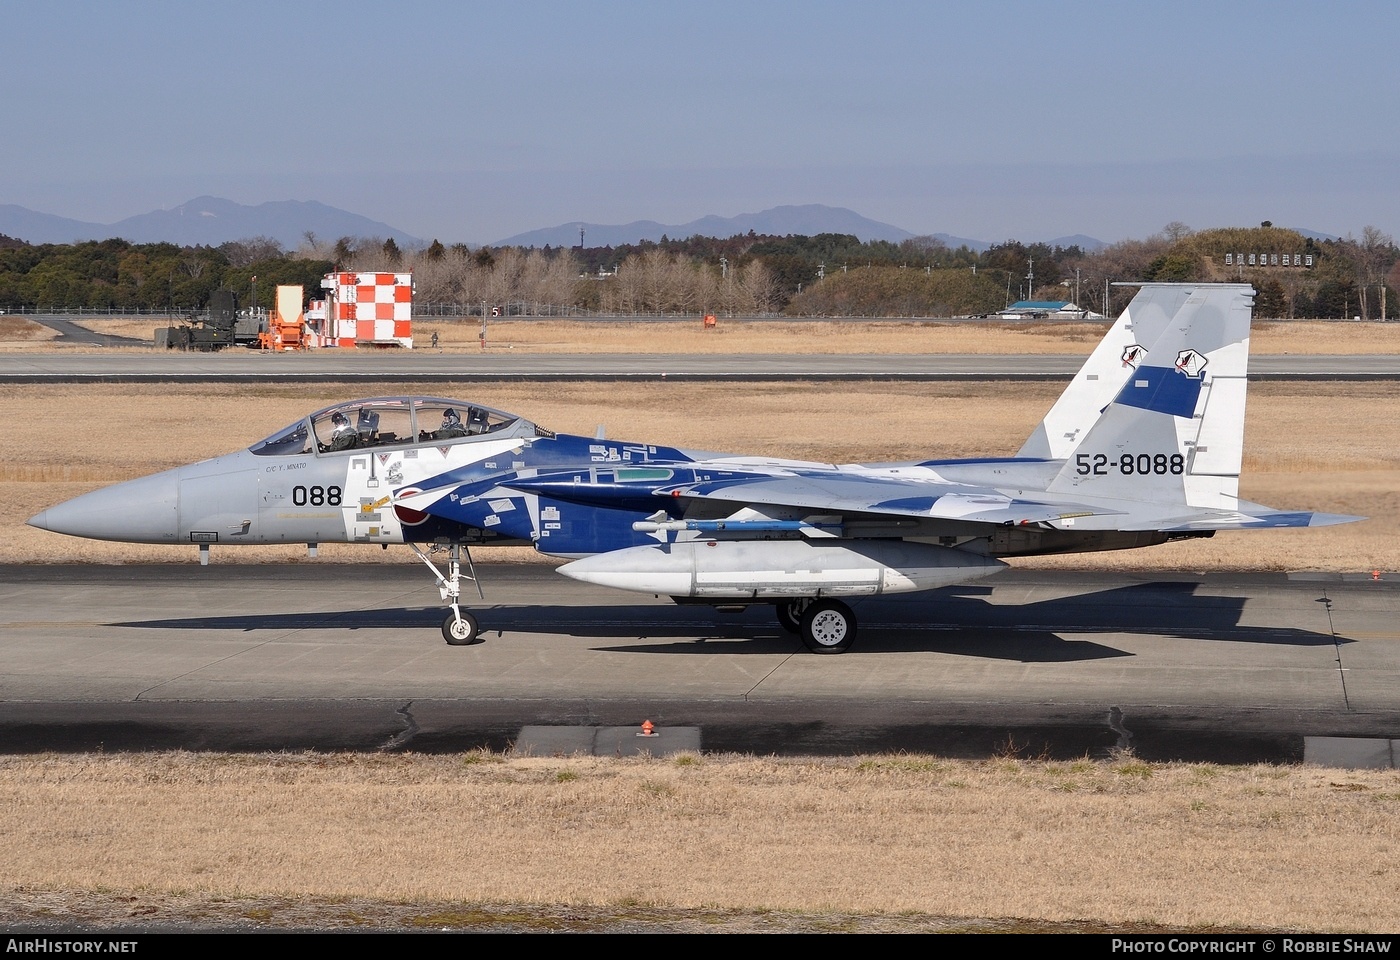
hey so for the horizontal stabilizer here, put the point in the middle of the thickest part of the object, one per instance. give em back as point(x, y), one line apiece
point(1263, 519)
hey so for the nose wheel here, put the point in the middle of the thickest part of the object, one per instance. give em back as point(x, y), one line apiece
point(459, 628)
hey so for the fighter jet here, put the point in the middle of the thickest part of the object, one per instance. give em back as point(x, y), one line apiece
point(1143, 447)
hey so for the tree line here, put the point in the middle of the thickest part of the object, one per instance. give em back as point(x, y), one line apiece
point(116, 274)
point(749, 274)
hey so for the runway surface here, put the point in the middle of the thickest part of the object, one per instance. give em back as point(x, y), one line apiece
point(235, 366)
point(319, 656)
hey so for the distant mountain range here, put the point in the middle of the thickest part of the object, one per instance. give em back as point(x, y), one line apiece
point(805, 220)
point(209, 221)
point(1082, 241)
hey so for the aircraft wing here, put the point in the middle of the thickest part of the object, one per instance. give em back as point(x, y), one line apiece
point(878, 496)
point(924, 499)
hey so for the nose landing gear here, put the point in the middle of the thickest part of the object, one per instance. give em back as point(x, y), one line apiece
point(460, 628)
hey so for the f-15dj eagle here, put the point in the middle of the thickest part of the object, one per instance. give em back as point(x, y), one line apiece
point(1143, 447)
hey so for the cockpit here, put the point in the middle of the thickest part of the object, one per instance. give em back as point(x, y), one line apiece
point(393, 422)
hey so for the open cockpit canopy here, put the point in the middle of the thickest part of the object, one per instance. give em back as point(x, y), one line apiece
point(392, 422)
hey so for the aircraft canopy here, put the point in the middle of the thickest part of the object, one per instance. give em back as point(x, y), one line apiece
point(391, 422)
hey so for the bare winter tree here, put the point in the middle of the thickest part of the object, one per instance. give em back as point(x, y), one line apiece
point(689, 287)
point(530, 279)
point(1374, 254)
point(1126, 260)
point(760, 288)
point(366, 254)
point(559, 282)
point(313, 247)
point(535, 281)
point(657, 281)
point(445, 279)
point(250, 250)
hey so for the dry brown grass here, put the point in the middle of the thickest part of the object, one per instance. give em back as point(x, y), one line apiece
point(1324, 337)
point(1116, 841)
point(16, 331)
point(1333, 447)
point(829, 336)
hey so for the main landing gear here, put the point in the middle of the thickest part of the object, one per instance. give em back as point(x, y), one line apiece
point(825, 625)
point(460, 628)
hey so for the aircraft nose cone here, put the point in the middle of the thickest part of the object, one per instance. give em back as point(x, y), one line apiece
point(138, 511)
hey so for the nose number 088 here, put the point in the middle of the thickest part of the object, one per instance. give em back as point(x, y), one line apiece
point(316, 496)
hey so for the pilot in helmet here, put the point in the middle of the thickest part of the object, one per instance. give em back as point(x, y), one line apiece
point(342, 426)
point(451, 425)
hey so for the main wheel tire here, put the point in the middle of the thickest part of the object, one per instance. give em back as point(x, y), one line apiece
point(460, 633)
point(790, 613)
point(828, 626)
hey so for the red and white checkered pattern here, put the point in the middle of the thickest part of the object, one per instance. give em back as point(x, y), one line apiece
point(372, 308)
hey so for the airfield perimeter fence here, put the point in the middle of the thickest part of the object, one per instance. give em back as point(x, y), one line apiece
point(114, 312)
point(496, 311)
point(533, 310)
point(512, 310)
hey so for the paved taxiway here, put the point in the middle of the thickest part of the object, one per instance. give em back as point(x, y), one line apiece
point(237, 366)
point(321, 656)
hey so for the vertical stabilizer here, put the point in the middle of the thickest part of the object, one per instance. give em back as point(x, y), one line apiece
point(1105, 372)
point(1174, 431)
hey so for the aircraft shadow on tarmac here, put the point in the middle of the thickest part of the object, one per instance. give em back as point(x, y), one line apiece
point(956, 621)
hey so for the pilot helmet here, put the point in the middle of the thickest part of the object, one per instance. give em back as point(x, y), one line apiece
point(338, 418)
point(450, 416)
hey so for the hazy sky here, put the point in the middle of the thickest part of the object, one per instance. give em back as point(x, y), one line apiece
point(474, 121)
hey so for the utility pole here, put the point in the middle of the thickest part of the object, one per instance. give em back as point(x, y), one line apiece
point(1030, 278)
